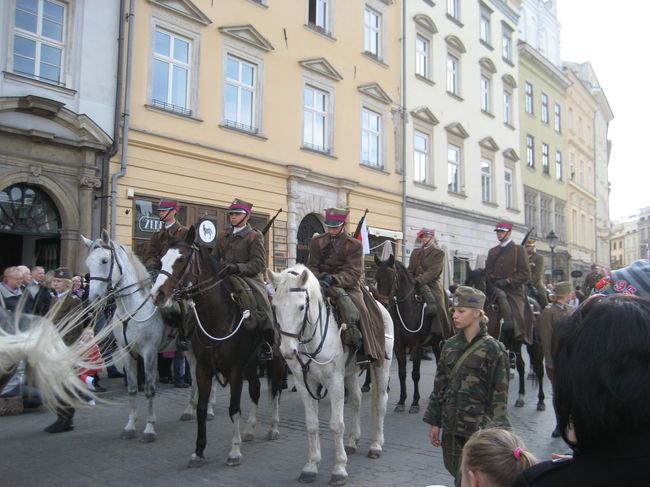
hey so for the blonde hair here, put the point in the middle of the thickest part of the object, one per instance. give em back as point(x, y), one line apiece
point(499, 454)
point(483, 319)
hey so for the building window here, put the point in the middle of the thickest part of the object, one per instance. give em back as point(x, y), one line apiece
point(558, 165)
point(485, 29)
point(171, 72)
point(315, 119)
point(372, 32)
point(507, 107)
point(544, 108)
point(486, 181)
point(239, 94)
point(485, 93)
point(530, 150)
point(318, 15)
point(558, 118)
point(453, 168)
point(508, 188)
point(545, 214)
point(506, 43)
point(529, 98)
point(545, 162)
point(38, 41)
point(452, 74)
point(370, 138)
point(453, 9)
point(421, 56)
point(420, 157)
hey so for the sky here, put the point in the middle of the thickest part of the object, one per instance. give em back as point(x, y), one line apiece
point(614, 38)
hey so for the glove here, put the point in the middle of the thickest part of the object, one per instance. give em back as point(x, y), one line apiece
point(326, 280)
point(230, 268)
point(501, 283)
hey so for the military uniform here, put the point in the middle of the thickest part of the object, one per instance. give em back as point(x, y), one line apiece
point(551, 315)
point(159, 244)
point(536, 266)
point(475, 397)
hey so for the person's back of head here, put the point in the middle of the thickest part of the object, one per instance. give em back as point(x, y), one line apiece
point(602, 371)
point(493, 457)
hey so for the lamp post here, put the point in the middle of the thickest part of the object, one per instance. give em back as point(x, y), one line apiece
point(551, 237)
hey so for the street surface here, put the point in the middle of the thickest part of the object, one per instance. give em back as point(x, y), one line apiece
point(93, 454)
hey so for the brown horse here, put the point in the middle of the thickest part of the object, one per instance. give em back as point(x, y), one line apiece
point(223, 346)
point(396, 288)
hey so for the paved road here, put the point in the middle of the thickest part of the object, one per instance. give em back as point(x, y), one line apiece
point(94, 454)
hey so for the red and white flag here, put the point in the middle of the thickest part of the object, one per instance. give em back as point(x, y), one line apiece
point(363, 238)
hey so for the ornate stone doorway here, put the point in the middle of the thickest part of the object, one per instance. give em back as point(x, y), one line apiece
point(309, 225)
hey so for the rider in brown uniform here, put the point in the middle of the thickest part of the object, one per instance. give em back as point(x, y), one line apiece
point(336, 259)
point(536, 265)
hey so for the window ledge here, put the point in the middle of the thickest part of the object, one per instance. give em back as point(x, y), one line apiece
point(455, 96)
point(319, 152)
point(424, 79)
point(510, 126)
point(259, 3)
point(485, 112)
point(429, 2)
point(373, 168)
point(154, 108)
point(455, 20)
point(320, 31)
point(508, 61)
point(532, 168)
point(457, 195)
point(374, 58)
point(40, 83)
point(513, 210)
point(490, 203)
point(429, 186)
point(243, 132)
point(530, 114)
point(486, 44)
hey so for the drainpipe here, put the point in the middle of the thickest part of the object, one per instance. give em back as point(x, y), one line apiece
point(404, 115)
point(108, 155)
point(125, 125)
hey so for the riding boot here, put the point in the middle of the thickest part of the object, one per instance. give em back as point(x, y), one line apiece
point(265, 350)
point(431, 308)
point(63, 421)
point(505, 310)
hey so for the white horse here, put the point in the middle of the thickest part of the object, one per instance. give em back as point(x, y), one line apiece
point(312, 347)
point(137, 324)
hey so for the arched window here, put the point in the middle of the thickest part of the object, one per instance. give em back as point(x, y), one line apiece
point(27, 210)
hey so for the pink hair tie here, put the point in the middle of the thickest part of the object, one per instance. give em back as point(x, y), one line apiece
point(517, 453)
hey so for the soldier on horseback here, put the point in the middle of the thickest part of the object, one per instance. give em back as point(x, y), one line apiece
point(536, 265)
point(425, 265)
point(507, 272)
point(336, 259)
point(241, 249)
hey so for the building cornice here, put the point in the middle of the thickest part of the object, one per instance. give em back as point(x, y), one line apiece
point(528, 53)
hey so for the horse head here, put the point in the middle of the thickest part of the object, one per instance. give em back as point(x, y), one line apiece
point(175, 270)
point(476, 279)
point(103, 267)
point(385, 278)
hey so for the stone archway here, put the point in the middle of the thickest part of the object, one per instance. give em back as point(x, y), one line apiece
point(309, 225)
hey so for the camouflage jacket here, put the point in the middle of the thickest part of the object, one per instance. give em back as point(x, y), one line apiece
point(477, 396)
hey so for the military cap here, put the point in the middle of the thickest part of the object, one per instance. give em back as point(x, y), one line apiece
point(240, 206)
point(62, 273)
point(425, 232)
point(503, 227)
point(562, 288)
point(335, 217)
point(530, 242)
point(166, 205)
point(468, 297)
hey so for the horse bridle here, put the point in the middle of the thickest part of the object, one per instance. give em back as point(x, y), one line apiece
point(113, 289)
point(395, 302)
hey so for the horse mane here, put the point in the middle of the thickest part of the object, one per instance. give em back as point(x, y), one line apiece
point(312, 284)
point(139, 268)
point(401, 268)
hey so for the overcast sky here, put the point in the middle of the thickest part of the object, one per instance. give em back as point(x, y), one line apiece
point(614, 37)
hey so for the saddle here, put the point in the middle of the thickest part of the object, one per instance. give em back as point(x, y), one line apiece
point(243, 296)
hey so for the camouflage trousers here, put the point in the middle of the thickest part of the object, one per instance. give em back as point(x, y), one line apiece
point(452, 452)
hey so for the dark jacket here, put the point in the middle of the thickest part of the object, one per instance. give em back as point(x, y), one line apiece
point(159, 244)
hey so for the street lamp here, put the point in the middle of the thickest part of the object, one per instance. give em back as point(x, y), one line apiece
point(551, 237)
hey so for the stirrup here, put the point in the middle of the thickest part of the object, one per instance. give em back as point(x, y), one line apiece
point(362, 360)
point(265, 352)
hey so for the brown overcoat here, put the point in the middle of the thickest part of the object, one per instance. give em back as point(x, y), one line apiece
point(342, 257)
point(550, 316)
point(511, 263)
point(69, 304)
point(426, 265)
point(159, 244)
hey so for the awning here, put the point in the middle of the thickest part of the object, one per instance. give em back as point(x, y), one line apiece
point(381, 232)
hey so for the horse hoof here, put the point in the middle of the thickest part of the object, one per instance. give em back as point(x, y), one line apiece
point(415, 408)
point(541, 406)
point(365, 388)
point(399, 408)
point(187, 417)
point(273, 435)
point(350, 450)
point(374, 454)
point(519, 403)
point(148, 437)
point(128, 434)
point(210, 416)
point(338, 479)
point(233, 461)
point(307, 477)
point(196, 461)
point(248, 437)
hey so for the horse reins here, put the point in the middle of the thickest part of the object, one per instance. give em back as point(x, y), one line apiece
point(396, 302)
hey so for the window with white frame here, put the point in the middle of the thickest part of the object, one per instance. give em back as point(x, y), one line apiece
point(486, 180)
point(508, 188)
point(506, 43)
point(485, 27)
point(530, 207)
point(558, 118)
point(453, 9)
point(528, 93)
point(507, 106)
point(544, 108)
point(453, 85)
point(422, 56)
point(545, 161)
point(240, 94)
point(372, 26)
point(39, 39)
point(315, 119)
point(558, 166)
point(453, 168)
point(319, 14)
point(370, 138)
point(530, 150)
point(485, 93)
point(171, 72)
point(420, 157)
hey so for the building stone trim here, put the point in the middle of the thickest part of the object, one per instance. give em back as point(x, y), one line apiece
point(489, 144)
point(511, 154)
point(248, 34)
point(321, 66)
point(424, 114)
point(185, 8)
point(457, 129)
point(376, 92)
point(425, 22)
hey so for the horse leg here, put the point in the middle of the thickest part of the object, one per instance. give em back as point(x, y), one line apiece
point(131, 367)
point(366, 383)
point(310, 469)
point(234, 410)
point(400, 353)
point(537, 364)
point(416, 355)
point(254, 393)
point(336, 390)
point(378, 408)
point(277, 369)
point(521, 372)
point(354, 402)
point(190, 410)
point(203, 379)
point(150, 359)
